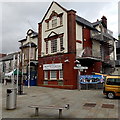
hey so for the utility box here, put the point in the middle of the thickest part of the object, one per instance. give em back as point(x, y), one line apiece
point(11, 98)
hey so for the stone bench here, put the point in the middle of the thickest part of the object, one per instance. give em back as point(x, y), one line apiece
point(60, 108)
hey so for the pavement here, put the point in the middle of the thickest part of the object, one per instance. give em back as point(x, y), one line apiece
point(101, 106)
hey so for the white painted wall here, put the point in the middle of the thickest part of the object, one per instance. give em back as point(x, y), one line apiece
point(79, 36)
point(59, 30)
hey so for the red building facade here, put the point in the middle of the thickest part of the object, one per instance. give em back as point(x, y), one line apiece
point(64, 40)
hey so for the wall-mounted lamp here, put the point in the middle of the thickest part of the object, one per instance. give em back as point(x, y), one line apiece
point(66, 61)
point(77, 61)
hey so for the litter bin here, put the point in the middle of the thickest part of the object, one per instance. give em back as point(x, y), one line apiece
point(11, 98)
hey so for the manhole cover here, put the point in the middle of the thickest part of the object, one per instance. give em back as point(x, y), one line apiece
point(89, 105)
point(108, 106)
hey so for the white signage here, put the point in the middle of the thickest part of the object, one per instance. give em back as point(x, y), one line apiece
point(57, 66)
point(82, 68)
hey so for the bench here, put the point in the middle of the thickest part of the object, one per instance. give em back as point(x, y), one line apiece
point(37, 107)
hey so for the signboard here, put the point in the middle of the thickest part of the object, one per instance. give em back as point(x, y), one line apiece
point(81, 67)
point(91, 78)
point(57, 66)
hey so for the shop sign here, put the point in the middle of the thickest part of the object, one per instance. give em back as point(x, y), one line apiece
point(57, 66)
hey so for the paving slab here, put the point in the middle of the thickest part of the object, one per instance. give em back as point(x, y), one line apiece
point(36, 95)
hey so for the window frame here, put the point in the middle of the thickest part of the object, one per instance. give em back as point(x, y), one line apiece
point(51, 73)
point(60, 74)
point(54, 22)
point(46, 75)
point(54, 46)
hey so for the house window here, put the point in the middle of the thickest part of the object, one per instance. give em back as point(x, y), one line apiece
point(61, 44)
point(54, 22)
point(46, 75)
point(47, 25)
point(61, 74)
point(53, 45)
point(61, 20)
point(53, 74)
point(46, 47)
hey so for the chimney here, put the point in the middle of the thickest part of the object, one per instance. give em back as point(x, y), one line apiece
point(104, 21)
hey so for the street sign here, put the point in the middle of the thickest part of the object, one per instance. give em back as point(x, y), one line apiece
point(81, 67)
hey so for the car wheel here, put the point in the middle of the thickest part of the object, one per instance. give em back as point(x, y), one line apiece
point(110, 95)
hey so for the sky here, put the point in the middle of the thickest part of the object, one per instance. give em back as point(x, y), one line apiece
point(17, 17)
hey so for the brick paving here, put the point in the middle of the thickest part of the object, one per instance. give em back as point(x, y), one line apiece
point(36, 95)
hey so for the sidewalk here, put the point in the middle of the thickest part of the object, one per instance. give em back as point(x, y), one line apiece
point(36, 95)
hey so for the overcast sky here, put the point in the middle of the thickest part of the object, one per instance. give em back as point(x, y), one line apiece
point(18, 17)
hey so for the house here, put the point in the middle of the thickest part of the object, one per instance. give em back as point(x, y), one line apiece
point(117, 62)
point(8, 63)
point(66, 40)
point(29, 52)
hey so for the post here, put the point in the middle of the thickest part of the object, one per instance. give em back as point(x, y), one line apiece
point(13, 71)
point(60, 112)
point(36, 111)
point(29, 65)
point(79, 87)
point(17, 71)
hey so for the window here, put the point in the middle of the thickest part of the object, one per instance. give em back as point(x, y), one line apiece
point(61, 44)
point(46, 75)
point(54, 22)
point(47, 25)
point(53, 45)
point(61, 20)
point(113, 81)
point(53, 74)
point(61, 74)
point(46, 47)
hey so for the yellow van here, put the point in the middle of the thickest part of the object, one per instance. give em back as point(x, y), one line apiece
point(112, 86)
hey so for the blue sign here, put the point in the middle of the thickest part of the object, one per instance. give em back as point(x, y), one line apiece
point(91, 78)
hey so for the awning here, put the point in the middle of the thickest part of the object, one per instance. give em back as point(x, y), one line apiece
point(13, 72)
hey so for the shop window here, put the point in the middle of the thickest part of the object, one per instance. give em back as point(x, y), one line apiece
point(53, 45)
point(46, 47)
point(61, 74)
point(54, 21)
point(46, 75)
point(61, 44)
point(53, 75)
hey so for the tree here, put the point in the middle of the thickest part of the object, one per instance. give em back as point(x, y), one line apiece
point(119, 36)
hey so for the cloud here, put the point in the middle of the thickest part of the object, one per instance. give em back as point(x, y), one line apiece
point(18, 17)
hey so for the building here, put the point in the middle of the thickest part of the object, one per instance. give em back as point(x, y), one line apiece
point(66, 40)
point(8, 63)
point(117, 62)
point(29, 53)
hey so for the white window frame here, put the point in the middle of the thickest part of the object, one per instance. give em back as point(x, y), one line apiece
point(54, 46)
point(51, 73)
point(46, 75)
point(60, 74)
point(54, 22)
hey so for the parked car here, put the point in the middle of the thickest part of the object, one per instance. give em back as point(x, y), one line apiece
point(112, 86)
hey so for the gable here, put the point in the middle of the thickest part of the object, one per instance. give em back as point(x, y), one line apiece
point(54, 6)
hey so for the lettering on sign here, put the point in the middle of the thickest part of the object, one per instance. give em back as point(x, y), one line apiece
point(57, 66)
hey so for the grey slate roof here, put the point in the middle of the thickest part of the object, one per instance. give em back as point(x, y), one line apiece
point(84, 22)
point(9, 57)
point(96, 23)
point(28, 44)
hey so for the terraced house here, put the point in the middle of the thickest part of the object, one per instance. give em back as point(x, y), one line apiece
point(66, 40)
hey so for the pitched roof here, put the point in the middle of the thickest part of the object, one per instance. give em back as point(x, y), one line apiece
point(28, 44)
point(50, 7)
point(9, 56)
point(84, 22)
point(96, 23)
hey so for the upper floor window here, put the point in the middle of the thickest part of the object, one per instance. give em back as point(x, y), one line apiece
point(61, 20)
point(61, 44)
point(46, 47)
point(53, 45)
point(54, 21)
point(47, 25)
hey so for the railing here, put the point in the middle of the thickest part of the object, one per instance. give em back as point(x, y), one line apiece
point(102, 36)
point(88, 52)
